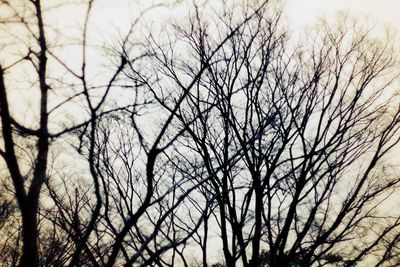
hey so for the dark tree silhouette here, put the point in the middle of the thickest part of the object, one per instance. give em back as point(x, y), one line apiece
point(32, 139)
point(219, 133)
point(311, 124)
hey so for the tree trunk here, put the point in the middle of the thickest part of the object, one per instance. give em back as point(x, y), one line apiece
point(30, 234)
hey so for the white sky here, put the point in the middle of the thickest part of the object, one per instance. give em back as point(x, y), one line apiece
point(379, 11)
point(305, 11)
point(117, 13)
point(111, 19)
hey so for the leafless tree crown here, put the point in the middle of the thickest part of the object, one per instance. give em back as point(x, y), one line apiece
point(217, 140)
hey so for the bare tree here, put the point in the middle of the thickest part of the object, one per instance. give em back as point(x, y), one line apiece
point(312, 125)
point(219, 132)
point(47, 89)
point(74, 219)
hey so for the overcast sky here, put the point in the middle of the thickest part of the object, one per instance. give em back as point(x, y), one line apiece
point(379, 11)
point(111, 18)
